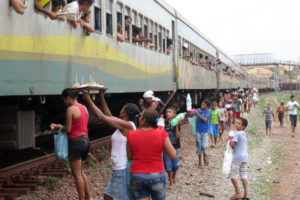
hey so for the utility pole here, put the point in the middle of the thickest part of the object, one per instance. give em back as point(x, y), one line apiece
point(290, 79)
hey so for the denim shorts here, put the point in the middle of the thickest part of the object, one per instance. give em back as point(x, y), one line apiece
point(201, 143)
point(146, 185)
point(214, 130)
point(117, 187)
point(169, 164)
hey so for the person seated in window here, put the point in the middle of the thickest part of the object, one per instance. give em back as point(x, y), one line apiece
point(208, 64)
point(85, 23)
point(41, 5)
point(19, 6)
point(78, 7)
point(203, 64)
point(213, 68)
point(57, 6)
point(193, 61)
point(137, 35)
point(185, 55)
point(226, 71)
point(120, 37)
point(169, 46)
point(128, 21)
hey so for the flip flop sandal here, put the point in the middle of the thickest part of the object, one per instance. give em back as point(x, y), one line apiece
point(246, 198)
point(236, 198)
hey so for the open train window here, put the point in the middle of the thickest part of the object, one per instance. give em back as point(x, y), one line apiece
point(164, 40)
point(127, 27)
point(155, 35)
point(140, 26)
point(133, 24)
point(98, 17)
point(151, 30)
point(119, 18)
point(160, 39)
point(108, 8)
point(146, 30)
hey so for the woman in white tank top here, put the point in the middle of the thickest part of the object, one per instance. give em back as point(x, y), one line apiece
point(117, 188)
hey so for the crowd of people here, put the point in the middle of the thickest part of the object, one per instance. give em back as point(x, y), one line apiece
point(78, 13)
point(143, 155)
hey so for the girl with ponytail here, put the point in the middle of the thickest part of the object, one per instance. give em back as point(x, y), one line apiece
point(126, 122)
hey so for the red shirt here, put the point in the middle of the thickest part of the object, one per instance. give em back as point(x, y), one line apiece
point(79, 125)
point(147, 148)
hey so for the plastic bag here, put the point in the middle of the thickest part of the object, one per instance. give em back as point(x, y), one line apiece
point(227, 160)
point(61, 146)
point(192, 122)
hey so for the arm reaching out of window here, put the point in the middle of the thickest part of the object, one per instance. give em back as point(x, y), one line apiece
point(44, 10)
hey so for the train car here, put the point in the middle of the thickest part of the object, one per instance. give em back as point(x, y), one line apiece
point(39, 57)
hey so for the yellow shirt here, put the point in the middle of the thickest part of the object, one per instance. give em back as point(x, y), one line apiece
point(43, 3)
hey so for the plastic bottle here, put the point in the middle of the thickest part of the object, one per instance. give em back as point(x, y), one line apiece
point(161, 123)
point(176, 120)
point(188, 102)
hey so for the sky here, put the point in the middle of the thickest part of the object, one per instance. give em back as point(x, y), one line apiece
point(247, 26)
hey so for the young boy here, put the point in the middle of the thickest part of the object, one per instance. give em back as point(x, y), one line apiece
point(171, 166)
point(268, 112)
point(237, 108)
point(214, 123)
point(292, 107)
point(203, 115)
point(240, 159)
point(280, 112)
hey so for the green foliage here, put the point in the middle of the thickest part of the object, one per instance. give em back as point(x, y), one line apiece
point(52, 182)
point(41, 181)
point(68, 167)
point(104, 153)
point(92, 160)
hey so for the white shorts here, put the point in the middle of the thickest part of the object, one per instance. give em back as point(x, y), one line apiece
point(238, 169)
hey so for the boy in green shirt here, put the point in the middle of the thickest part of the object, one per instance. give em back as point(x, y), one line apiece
point(214, 124)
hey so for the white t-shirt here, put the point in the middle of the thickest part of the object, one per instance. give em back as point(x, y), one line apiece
point(118, 156)
point(222, 112)
point(73, 7)
point(291, 106)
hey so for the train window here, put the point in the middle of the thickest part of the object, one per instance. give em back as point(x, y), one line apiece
point(151, 32)
point(155, 36)
point(108, 8)
point(160, 38)
point(146, 30)
point(164, 40)
point(119, 18)
point(140, 26)
point(134, 27)
point(98, 17)
point(127, 24)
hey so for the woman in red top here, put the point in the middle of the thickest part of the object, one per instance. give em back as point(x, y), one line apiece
point(77, 118)
point(145, 147)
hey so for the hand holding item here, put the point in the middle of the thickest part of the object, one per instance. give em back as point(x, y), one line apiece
point(55, 127)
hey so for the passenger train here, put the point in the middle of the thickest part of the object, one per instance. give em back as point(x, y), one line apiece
point(39, 57)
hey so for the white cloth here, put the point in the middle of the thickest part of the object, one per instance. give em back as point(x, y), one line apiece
point(148, 94)
point(118, 156)
point(73, 7)
point(291, 106)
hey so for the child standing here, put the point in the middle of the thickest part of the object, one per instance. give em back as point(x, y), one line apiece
point(228, 105)
point(240, 159)
point(202, 132)
point(214, 123)
point(280, 111)
point(223, 112)
point(268, 119)
point(171, 166)
point(237, 108)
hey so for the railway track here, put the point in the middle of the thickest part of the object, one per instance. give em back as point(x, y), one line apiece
point(22, 178)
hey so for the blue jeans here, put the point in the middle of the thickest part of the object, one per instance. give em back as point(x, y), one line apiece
point(169, 164)
point(146, 185)
point(117, 188)
point(201, 143)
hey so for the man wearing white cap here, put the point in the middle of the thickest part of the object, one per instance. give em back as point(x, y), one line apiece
point(149, 101)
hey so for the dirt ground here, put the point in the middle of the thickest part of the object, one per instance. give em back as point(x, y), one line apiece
point(273, 168)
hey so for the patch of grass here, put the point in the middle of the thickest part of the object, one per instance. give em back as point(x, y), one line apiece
point(253, 130)
point(262, 102)
point(53, 182)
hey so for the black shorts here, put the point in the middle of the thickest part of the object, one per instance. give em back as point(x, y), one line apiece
point(293, 119)
point(268, 123)
point(79, 148)
point(281, 117)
